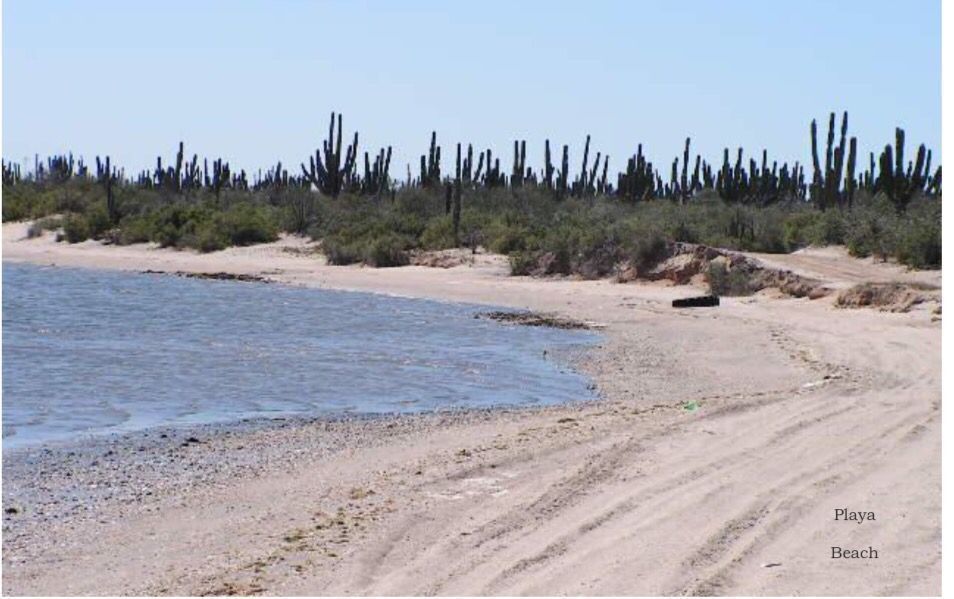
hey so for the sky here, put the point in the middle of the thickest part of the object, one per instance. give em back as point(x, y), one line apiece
point(255, 82)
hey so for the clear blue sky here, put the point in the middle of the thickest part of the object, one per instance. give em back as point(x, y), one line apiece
point(255, 82)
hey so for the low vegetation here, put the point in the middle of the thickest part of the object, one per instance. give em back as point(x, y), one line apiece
point(545, 221)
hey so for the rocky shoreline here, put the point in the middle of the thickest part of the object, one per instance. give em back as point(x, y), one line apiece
point(100, 478)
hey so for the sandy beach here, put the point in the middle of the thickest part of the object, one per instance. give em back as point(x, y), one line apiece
point(803, 409)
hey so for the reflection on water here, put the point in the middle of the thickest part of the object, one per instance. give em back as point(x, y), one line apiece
point(87, 351)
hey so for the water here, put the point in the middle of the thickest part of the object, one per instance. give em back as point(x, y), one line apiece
point(88, 351)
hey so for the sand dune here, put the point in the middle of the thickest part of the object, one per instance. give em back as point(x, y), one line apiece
point(725, 442)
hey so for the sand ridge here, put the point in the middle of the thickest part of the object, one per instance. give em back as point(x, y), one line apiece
point(725, 442)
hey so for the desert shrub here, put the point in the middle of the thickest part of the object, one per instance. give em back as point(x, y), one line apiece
point(684, 231)
point(806, 227)
point(472, 229)
point(389, 250)
point(647, 251)
point(725, 281)
point(207, 237)
point(795, 231)
point(769, 231)
point(919, 236)
point(16, 204)
point(523, 263)
point(97, 220)
point(173, 224)
point(574, 243)
point(299, 210)
point(438, 234)
point(539, 232)
point(75, 228)
point(508, 233)
point(202, 227)
point(136, 229)
point(245, 224)
point(870, 228)
point(30, 200)
point(49, 223)
point(829, 228)
point(340, 253)
point(381, 251)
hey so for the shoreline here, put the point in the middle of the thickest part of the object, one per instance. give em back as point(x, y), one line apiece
point(565, 357)
point(801, 407)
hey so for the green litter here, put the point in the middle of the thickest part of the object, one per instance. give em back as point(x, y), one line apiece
point(691, 406)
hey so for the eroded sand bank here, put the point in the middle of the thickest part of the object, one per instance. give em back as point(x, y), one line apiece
point(803, 409)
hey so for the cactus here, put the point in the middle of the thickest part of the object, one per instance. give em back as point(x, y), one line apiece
point(850, 175)
point(685, 189)
point(673, 188)
point(331, 175)
point(590, 187)
point(638, 183)
point(547, 167)
point(480, 167)
point(469, 165)
point(448, 197)
point(221, 177)
point(107, 177)
point(826, 187)
point(731, 181)
point(518, 172)
point(376, 178)
point(455, 215)
point(586, 156)
point(177, 182)
point(934, 184)
point(563, 176)
point(602, 189)
point(11, 173)
point(834, 181)
point(431, 164)
point(902, 185)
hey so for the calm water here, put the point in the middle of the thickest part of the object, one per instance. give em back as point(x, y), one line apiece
point(87, 351)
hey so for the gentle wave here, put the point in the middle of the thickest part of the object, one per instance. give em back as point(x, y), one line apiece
point(89, 352)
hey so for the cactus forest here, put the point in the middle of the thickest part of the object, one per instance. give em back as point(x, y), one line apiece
point(566, 205)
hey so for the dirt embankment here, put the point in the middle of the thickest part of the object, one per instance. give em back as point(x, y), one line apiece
point(803, 274)
point(889, 297)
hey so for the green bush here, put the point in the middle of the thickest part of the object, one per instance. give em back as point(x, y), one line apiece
point(207, 238)
point(523, 263)
point(97, 219)
point(647, 251)
point(919, 236)
point(438, 234)
point(870, 229)
point(589, 237)
point(339, 252)
point(49, 223)
point(383, 251)
point(727, 282)
point(75, 228)
point(245, 224)
point(136, 230)
point(390, 250)
point(508, 234)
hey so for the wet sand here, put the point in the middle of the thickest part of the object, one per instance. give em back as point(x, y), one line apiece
point(725, 441)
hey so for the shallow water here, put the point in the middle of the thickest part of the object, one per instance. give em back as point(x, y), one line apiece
point(88, 351)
